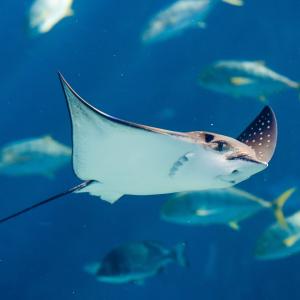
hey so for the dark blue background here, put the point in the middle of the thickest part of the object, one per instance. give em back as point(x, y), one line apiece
point(42, 254)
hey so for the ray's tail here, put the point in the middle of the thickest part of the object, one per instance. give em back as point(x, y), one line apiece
point(52, 198)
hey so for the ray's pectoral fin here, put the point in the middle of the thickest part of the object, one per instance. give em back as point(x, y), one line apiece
point(180, 163)
point(96, 138)
point(261, 135)
point(99, 190)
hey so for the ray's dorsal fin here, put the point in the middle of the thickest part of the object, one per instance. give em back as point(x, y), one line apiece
point(57, 196)
point(261, 135)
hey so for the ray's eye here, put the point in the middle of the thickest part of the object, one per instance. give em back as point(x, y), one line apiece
point(208, 137)
point(221, 146)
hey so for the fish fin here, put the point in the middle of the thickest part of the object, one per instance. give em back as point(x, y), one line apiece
point(179, 253)
point(290, 241)
point(92, 268)
point(46, 28)
point(234, 2)
point(180, 163)
point(263, 99)
point(261, 62)
point(139, 282)
point(238, 81)
point(98, 189)
point(234, 225)
point(69, 13)
point(48, 137)
point(203, 212)
point(111, 197)
point(278, 204)
point(201, 25)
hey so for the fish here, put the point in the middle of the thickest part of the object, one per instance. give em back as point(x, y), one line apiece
point(252, 79)
point(179, 16)
point(134, 262)
point(221, 206)
point(45, 14)
point(34, 156)
point(278, 242)
point(114, 157)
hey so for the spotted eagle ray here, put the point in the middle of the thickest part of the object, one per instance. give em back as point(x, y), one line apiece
point(114, 157)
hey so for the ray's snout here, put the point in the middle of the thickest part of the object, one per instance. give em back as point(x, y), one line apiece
point(261, 135)
point(241, 168)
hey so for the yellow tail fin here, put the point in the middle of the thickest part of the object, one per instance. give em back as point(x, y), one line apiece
point(290, 241)
point(234, 2)
point(278, 204)
point(234, 225)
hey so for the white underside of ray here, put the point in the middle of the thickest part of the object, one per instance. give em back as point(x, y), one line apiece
point(129, 160)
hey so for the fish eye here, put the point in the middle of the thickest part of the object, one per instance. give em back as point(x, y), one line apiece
point(221, 146)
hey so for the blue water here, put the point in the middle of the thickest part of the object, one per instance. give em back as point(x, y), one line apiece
point(42, 254)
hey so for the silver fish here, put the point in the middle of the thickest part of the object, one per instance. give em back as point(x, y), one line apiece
point(224, 206)
point(245, 79)
point(179, 16)
point(136, 261)
point(45, 14)
point(280, 241)
point(34, 156)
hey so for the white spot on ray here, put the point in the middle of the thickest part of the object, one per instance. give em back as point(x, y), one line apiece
point(265, 126)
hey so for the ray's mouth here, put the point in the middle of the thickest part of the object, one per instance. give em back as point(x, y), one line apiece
point(245, 157)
